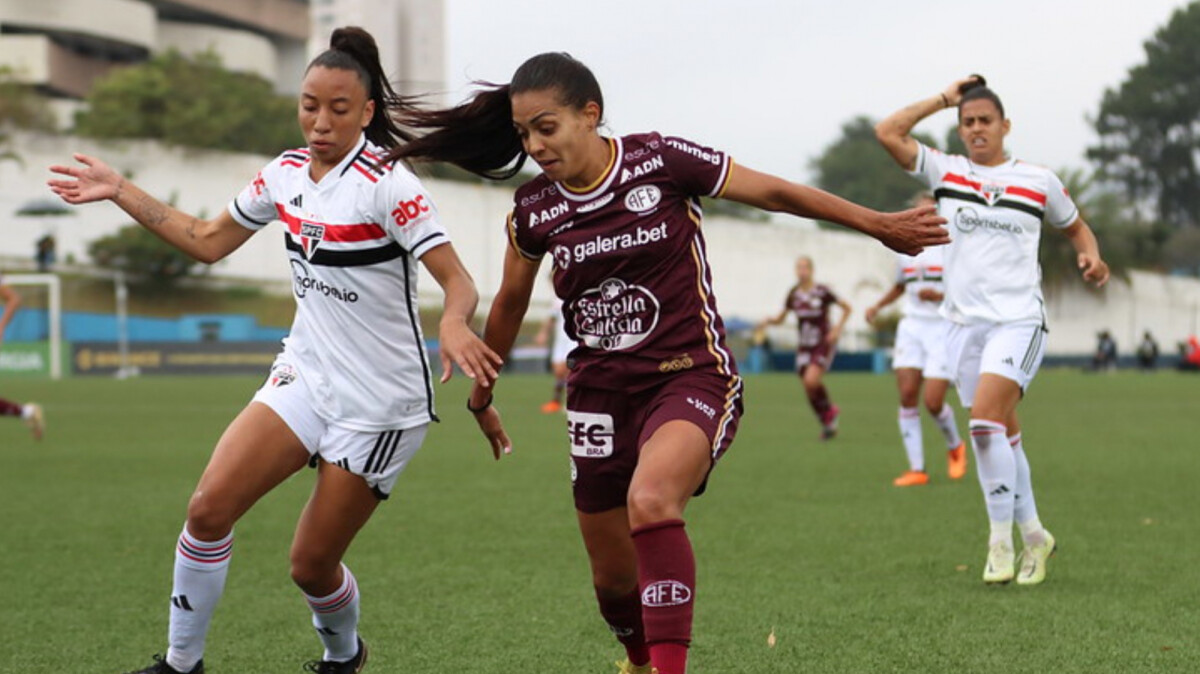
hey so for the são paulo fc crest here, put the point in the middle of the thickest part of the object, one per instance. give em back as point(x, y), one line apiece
point(281, 375)
point(991, 192)
point(311, 235)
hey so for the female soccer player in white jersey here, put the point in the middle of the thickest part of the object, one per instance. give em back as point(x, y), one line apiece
point(351, 392)
point(919, 358)
point(995, 207)
point(654, 396)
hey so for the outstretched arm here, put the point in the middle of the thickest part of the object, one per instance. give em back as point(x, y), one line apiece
point(1087, 252)
point(906, 232)
point(12, 300)
point(204, 240)
point(890, 296)
point(458, 345)
point(894, 132)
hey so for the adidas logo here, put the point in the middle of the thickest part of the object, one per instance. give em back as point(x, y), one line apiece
point(181, 602)
point(998, 491)
point(298, 201)
point(1008, 361)
point(327, 631)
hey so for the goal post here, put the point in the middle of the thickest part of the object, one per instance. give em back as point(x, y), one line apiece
point(53, 313)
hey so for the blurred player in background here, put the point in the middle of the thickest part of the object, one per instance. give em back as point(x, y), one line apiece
point(996, 207)
point(919, 357)
point(654, 396)
point(817, 345)
point(351, 393)
point(553, 334)
point(31, 413)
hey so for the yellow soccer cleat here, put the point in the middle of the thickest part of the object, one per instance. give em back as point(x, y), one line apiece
point(956, 461)
point(999, 567)
point(1033, 561)
point(627, 667)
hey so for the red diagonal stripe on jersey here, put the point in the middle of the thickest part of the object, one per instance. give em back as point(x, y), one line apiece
point(370, 176)
point(366, 231)
point(961, 180)
point(1027, 193)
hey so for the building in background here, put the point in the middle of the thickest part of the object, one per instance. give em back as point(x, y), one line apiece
point(411, 36)
point(63, 46)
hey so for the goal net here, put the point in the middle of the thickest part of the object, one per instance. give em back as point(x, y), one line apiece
point(33, 340)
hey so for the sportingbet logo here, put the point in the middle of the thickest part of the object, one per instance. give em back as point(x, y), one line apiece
point(408, 211)
point(591, 434)
point(666, 593)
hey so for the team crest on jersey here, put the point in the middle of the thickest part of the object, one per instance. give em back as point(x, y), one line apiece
point(991, 192)
point(281, 375)
point(562, 257)
point(311, 235)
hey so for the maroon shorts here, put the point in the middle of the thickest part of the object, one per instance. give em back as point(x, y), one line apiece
point(606, 430)
point(820, 355)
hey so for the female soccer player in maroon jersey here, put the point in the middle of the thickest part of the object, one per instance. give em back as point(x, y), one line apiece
point(817, 346)
point(31, 413)
point(654, 396)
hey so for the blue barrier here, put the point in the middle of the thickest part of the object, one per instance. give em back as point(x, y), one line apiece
point(31, 325)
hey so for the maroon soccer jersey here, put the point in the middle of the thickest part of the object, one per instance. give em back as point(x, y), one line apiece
point(812, 313)
point(630, 262)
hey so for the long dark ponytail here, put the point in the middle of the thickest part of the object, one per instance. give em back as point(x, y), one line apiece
point(352, 48)
point(478, 135)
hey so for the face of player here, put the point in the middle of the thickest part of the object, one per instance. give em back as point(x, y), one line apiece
point(334, 109)
point(982, 130)
point(560, 138)
point(804, 271)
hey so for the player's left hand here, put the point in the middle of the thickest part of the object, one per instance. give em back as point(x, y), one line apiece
point(459, 346)
point(1094, 269)
point(489, 422)
point(910, 231)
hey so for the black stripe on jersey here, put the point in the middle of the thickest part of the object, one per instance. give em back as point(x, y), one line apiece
point(242, 213)
point(348, 258)
point(357, 156)
point(372, 166)
point(947, 193)
point(412, 319)
point(417, 245)
point(296, 155)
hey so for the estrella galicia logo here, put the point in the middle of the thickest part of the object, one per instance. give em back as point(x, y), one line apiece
point(311, 235)
point(303, 282)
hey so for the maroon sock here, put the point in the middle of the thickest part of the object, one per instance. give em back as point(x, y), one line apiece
point(624, 618)
point(667, 576)
point(819, 399)
point(9, 409)
point(560, 386)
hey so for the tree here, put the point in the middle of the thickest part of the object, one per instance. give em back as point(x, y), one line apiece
point(856, 167)
point(1149, 137)
point(192, 102)
point(147, 259)
point(22, 108)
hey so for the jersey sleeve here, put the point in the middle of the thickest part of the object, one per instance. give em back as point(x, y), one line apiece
point(408, 213)
point(521, 238)
point(254, 208)
point(1061, 210)
point(698, 170)
point(931, 165)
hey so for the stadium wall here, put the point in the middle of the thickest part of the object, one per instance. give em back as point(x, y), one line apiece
point(752, 262)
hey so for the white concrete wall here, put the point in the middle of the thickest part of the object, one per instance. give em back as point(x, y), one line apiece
point(125, 21)
point(752, 262)
point(240, 50)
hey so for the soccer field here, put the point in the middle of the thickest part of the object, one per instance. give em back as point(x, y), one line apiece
point(476, 566)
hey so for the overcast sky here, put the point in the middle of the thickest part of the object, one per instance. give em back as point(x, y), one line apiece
point(772, 81)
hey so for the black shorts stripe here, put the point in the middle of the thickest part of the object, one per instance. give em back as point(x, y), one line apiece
point(348, 258)
point(391, 453)
point(1031, 352)
point(375, 451)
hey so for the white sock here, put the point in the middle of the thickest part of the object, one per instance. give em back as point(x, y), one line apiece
point(26, 411)
point(1025, 508)
point(200, 570)
point(910, 433)
point(336, 619)
point(945, 421)
point(997, 476)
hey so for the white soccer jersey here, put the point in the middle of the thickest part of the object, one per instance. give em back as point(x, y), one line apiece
point(354, 240)
point(995, 216)
point(923, 271)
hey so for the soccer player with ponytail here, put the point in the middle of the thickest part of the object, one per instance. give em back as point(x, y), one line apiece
point(654, 397)
point(351, 392)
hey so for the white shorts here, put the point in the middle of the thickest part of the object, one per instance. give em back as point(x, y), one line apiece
point(1012, 350)
point(376, 456)
point(921, 345)
point(562, 344)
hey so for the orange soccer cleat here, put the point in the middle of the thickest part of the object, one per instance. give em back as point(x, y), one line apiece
point(551, 407)
point(912, 478)
point(956, 461)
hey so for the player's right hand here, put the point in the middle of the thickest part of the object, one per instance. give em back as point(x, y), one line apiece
point(910, 231)
point(493, 430)
point(94, 181)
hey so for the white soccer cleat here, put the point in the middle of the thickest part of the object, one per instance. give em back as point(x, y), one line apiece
point(36, 421)
point(999, 567)
point(1033, 561)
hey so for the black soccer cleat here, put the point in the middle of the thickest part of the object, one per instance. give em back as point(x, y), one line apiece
point(160, 666)
point(351, 666)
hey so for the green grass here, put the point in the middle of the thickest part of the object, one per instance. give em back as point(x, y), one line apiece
point(477, 567)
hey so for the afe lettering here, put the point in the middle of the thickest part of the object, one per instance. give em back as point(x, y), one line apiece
point(666, 593)
point(407, 211)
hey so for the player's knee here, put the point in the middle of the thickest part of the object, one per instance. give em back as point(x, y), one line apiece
point(208, 519)
point(908, 398)
point(648, 503)
point(312, 573)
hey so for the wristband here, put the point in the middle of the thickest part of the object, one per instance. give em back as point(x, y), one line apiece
point(484, 406)
point(945, 101)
